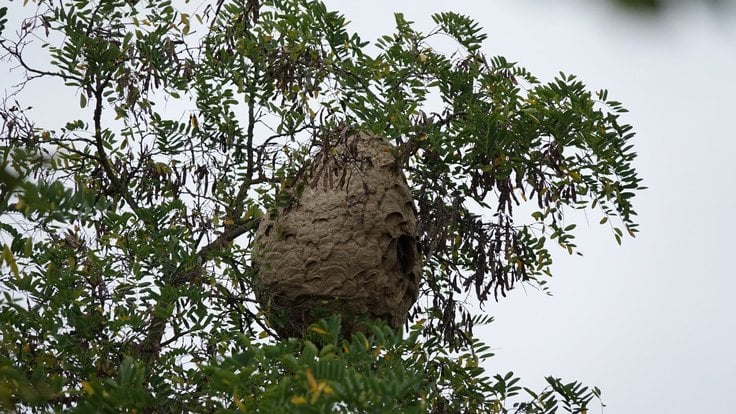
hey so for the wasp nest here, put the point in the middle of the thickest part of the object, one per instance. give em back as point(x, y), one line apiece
point(346, 244)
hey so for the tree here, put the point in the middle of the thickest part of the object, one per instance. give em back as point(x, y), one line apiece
point(127, 234)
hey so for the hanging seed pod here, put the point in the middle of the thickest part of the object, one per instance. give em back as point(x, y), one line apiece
point(345, 244)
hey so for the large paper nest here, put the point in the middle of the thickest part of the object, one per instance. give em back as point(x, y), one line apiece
point(346, 244)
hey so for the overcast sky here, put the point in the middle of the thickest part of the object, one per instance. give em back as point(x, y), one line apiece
point(650, 322)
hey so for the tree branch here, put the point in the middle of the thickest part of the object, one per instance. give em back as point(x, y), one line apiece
point(151, 345)
point(117, 184)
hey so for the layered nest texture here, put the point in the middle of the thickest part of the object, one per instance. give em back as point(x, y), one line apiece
point(345, 244)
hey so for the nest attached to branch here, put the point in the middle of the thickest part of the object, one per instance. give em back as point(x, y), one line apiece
point(346, 244)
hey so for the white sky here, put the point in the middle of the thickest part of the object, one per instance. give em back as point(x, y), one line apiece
point(650, 322)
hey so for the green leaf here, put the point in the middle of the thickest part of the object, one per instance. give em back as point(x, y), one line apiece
point(464, 29)
point(3, 19)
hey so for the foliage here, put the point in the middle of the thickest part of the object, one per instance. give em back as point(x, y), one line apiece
point(126, 281)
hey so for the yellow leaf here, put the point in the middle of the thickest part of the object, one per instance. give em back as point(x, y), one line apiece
point(377, 352)
point(317, 330)
point(298, 400)
point(88, 388)
point(238, 402)
point(311, 381)
point(185, 22)
point(262, 335)
point(162, 168)
point(10, 260)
